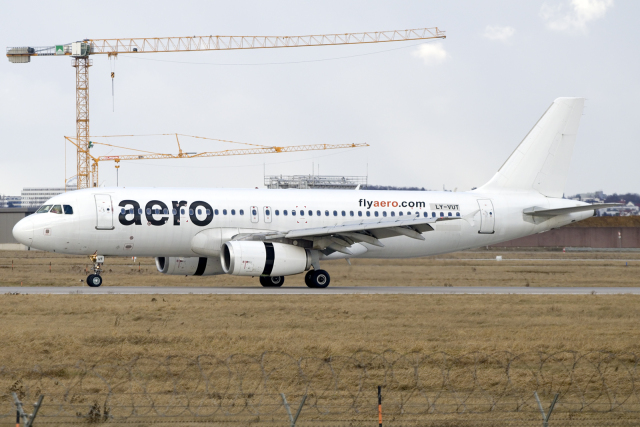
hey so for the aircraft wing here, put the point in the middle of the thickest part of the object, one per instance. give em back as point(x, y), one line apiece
point(339, 237)
point(536, 211)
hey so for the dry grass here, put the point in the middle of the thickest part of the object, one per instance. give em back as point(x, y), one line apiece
point(61, 329)
point(49, 330)
point(471, 268)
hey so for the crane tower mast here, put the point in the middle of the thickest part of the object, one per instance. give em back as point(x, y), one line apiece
point(82, 51)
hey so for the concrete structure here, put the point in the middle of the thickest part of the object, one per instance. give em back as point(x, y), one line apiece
point(8, 218)
point(338, 182)
point(34, 197)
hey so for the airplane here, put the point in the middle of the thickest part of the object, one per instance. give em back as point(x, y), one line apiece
point(271, 234)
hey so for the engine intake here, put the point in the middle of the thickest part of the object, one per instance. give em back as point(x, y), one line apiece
point(189, 266)
point(256, 258)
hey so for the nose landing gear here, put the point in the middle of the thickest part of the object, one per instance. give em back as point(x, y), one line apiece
point(94, 280)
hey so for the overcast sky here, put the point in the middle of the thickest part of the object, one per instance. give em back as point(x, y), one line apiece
point(440, 113)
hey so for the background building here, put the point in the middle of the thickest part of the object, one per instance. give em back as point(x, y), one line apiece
point(33, 197)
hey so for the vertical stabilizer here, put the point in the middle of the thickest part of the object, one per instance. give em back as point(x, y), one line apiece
point(541, 161)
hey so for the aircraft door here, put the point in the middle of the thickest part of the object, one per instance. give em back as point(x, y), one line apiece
point(254, 213)
point(267, 214)
point(487, 216)
point(104, 212)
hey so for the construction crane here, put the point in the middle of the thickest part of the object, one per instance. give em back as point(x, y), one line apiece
point(148, 155)
point(81, 52)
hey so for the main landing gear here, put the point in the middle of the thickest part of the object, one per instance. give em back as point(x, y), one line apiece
point(271, 282)
point(94, 280)
point(317, 279)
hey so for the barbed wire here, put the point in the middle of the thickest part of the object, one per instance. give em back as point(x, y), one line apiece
point(414, 386)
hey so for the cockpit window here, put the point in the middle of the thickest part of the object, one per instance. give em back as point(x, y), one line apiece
point(68, 210)
point(44, 209)
point(56, 209)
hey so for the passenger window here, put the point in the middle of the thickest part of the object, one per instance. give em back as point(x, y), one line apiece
point(293, 213)
point(241, 211)
point(140, 211)
point(181, 211)
point(351, 213)
point(224, 211)
point(199, 211)
point(267, 212)
point(359, 213)
point(148, 211)
point(393, 213)
point(216, 212)
point(190, 211)
point(450, 214)
point(284, 212)
point(433, 214)
point(426, 214)
point(208, 212)
point(255, 212)
point(344, 213)
point(417, 214)
point(277, 212)
point(318, 213)
point(122, 211)
point(400, 213)
point(457, 213)
point(174, 212)
point(44, 209)
point(130, 210)
point(233, 211)
point(335, 213)
point(326, 213)
point(68, 210)
point(376, 213)
point(441, 214)
point(310, 213)
point(384, 213)
point(301, 213)
point(368, 213)
point(166, 211)
point(56, 209)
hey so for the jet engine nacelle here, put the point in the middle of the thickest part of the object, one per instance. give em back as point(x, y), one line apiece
point(189, 266)
point(256, 258)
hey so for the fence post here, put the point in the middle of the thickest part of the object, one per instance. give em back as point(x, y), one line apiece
point(286, 406)
point(379, 406)
point(26, 419)
point(545, 417)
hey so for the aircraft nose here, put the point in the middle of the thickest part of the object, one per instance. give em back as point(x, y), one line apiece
point(23, 231)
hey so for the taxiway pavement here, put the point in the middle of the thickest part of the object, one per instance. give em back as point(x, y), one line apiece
point(336, 290)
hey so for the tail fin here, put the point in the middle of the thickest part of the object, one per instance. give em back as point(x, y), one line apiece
point(541, 161)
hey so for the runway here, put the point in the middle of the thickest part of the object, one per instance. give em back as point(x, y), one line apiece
point(361, 290)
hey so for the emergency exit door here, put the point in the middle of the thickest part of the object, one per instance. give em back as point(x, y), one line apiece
point(487, 217)
point(104, 212)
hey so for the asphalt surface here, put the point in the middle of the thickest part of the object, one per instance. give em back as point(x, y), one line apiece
point(290, 290)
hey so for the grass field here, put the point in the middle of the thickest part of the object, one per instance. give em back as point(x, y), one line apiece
point(470, 268)
point(116, 329)
point(54, 329)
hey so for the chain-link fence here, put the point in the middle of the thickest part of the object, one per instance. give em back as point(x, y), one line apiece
point(595, 388)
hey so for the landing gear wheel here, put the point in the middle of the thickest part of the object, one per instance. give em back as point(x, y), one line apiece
point(94, 280)
point(317, 279)
point(271, 282)
point(307, 278)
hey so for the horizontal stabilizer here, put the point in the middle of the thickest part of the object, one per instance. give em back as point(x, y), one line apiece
point(536, 211)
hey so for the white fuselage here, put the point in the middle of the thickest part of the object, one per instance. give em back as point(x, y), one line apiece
point(98, 225)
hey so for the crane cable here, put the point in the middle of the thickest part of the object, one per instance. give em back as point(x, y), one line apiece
point(112, 64)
